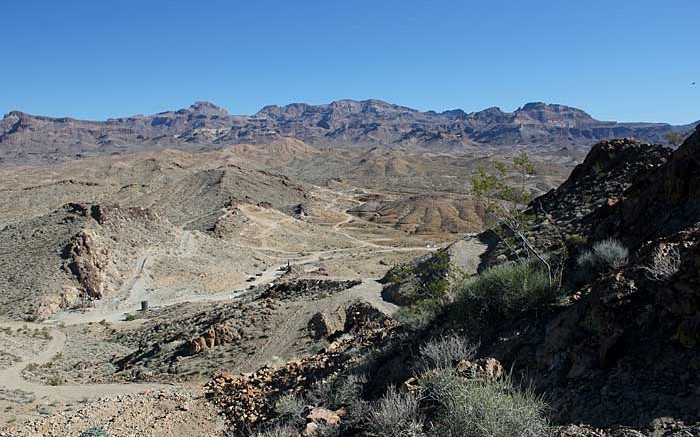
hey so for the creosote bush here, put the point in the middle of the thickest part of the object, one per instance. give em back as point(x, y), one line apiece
point(419, 315)
point(477, 408)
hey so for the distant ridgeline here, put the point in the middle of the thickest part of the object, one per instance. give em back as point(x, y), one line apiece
point(348, 123)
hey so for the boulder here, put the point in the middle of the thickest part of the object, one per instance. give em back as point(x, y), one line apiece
point(325, 324)
point(323, 415)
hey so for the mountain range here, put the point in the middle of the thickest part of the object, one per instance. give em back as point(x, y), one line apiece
point(347, 123)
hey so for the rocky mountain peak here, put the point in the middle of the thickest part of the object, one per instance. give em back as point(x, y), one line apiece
point(207, 108)
point(559, 115)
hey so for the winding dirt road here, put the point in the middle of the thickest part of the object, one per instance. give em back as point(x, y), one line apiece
point(135, 290)
point(11, 377)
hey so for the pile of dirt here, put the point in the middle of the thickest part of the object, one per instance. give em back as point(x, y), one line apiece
point(309, 289)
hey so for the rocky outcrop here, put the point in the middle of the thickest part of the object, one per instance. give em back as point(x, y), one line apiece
point(363, 316)
point(481, 368)
point(87, 262)
point(217, 335)
point(665, 201)
point(625, 350)
point(324, 324)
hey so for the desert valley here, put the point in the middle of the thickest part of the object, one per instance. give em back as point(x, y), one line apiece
point(349, 269)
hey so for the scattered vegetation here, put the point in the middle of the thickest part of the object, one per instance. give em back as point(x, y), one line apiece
point(419, 315)
point(396, 414)
point(278, 431)
point(445, 352)
point(477, 408)
point(505, 204)
point(54, 380)
point(340, 392)
point(665, 262)
point(290, 409)
point(675, 138)
point(501, 292)
point(431, 278)
point(94, 432)
point(604, 256)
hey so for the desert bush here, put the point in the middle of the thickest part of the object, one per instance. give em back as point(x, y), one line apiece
point(290, 408)
point(445, 352)
point(665, 262)
point(502, 291)
point(54, 380)
point(420, 315)
point(605, 255)
point(343, 391)
point(94, 432)
point(477, 408)
point(399, 273)
point(325, 430)
point(278, 431)
point(433, 275)
point(396, 414)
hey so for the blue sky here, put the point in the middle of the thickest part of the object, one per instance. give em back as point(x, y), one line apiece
point(627, 60)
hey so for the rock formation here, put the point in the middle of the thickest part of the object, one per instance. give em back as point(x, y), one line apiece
point(88, 263)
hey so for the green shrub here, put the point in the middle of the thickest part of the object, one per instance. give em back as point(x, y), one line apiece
point(396, 414)
point(445, 353)
point(427, 280)
point(478, 408)
point(501, 292)
point(576, 240)
point(94, 432)
point(399, 273)
point(419, 315)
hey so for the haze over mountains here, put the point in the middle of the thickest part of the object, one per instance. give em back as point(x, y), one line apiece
point(368, 123)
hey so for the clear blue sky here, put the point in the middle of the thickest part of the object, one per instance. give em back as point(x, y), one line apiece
point(627, 60)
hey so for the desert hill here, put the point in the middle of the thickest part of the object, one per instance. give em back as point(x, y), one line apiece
point(425, 214)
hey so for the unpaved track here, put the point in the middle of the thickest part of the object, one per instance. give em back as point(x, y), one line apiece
point(11, 377)
point(282, 339)
point(135, 288)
